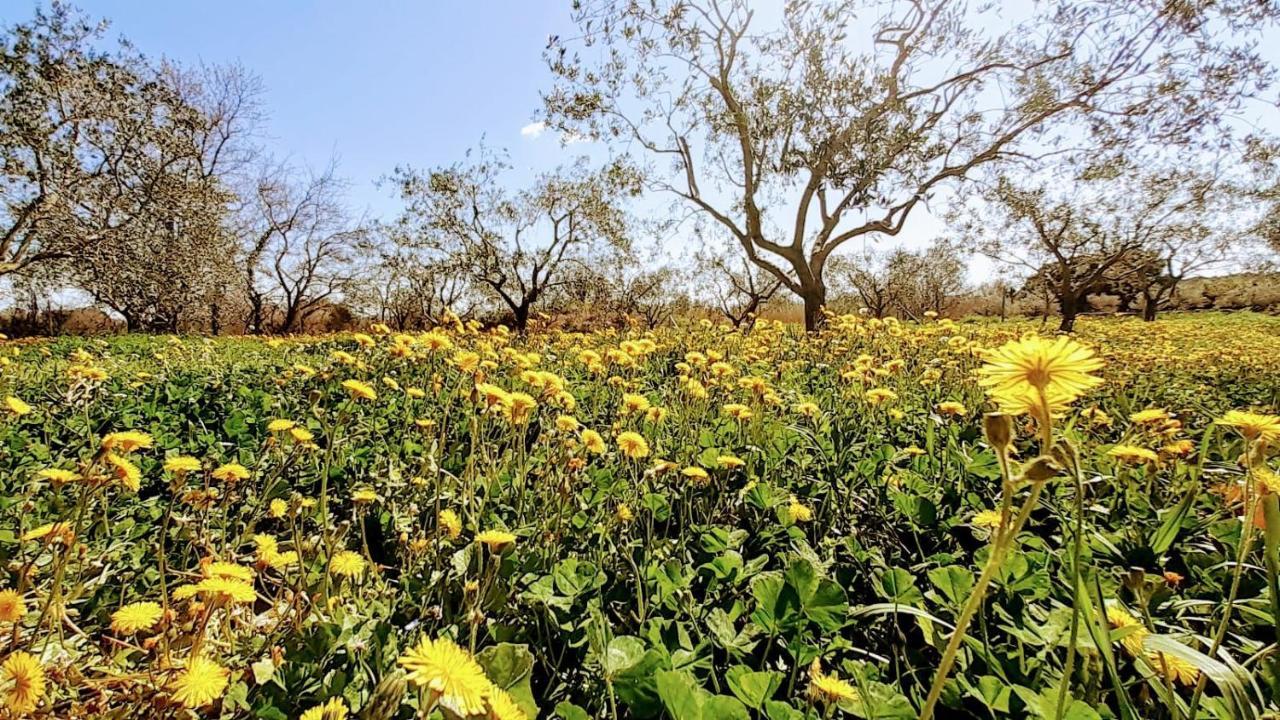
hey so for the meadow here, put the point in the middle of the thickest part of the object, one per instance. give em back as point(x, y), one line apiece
point(880, 520)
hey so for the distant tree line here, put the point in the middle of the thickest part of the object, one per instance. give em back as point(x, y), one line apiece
point(1090, 149)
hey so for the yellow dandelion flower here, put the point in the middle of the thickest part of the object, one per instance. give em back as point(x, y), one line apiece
point(22, 682)
point(136, 617)
point(450, 673)
point(496, 540)
point(633, 445)
point(181, 464)
point(231, 472)
point(125, 472)
point(989, 519)
point(1254, 426)
point(127, 441)
point(277, 508)
point(58, 476)
point(333, 709)
point(347, 564)
point(592, 441)
point(1033, 370)
point(16, 406)
point(504, 707)
point(449, 524)
point(1133, 455)
point(359, 390)
point(12, 607)
point(200, 683)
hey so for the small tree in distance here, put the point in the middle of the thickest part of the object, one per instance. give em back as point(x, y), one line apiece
point(515, 245)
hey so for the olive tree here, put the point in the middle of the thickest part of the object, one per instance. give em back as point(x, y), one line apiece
point(841, 118)
point(516, 244)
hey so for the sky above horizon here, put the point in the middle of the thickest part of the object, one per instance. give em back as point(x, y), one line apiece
point(374, 85)
point(381, 84)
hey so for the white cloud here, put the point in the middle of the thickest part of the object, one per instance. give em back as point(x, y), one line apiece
point(533, 130)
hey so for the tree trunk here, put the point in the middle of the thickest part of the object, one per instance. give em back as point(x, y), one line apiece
point(520, 316)
point(1149, 309)
point(815, 299)
point(1070, 307)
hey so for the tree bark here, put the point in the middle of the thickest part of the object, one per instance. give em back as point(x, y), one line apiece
point(1069, 305)
point(815, 299)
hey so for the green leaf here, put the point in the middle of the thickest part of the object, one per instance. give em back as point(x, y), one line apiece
point(953, 581)
point(623, 653)
point(263, 671)
point(680, 695)
point(899, 586)
point(752, 688)
point(510, 668)
point(568, 711)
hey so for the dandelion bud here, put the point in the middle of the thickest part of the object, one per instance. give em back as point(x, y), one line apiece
point(1041, 469)
point(998, 428)
point(385, 701)
point(475, 617)
point(1065, 454)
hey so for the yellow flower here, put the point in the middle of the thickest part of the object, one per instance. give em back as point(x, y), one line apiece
point(280, 425)
point(1253, 426)
point(449, 524)
point(52, 533)
point(798, 511)
point(364, 495)
point(986, 519)
point(623, 514)
point(301, 434)
point(496, 540)
point(880, 396)
point(277, 508)
point(58, 476)
point(1133, 455)
point(503, 707)
point(22, 682)
point(347, 564)
point(16, 406)
point(1032, 373)
point(566, 423)
point(359, 390)
point(1120, 619)
point(829, 688)
point(737, 411)
point(200, 683)
point(632, 403)
point(231, 472)
point(729, 462)
point(124, 471)
point(224, 589)
point(807, 409)
point(232, 571)
point(126, 441)
point(450, 673)
point(633, 445)
point(951, 409)
point(181, 464)
point(592, 441)
point(1149, 416)
point(1174, 668)
point(12, 606)
point(334, 709)
point(136, 617)
point(696, 475)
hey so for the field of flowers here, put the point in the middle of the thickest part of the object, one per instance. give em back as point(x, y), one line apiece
point(884, 520)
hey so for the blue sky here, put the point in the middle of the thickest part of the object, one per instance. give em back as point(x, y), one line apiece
point(376, 83)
